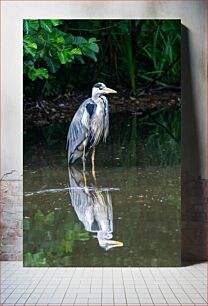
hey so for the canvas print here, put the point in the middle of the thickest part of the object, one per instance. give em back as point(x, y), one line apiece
point(102, 109)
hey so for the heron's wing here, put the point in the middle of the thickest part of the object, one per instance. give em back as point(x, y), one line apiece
point(79, 128)
point(80, 200)
point(106, 119)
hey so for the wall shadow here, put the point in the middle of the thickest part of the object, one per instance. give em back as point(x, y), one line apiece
point(193, 188)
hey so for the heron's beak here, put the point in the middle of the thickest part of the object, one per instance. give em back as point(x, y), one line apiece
point(109, 90)
point(112, 244)
point(116, 243)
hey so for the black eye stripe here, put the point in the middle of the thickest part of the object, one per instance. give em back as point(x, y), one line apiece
point(98, 85)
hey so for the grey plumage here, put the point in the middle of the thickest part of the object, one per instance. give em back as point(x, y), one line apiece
point(93, 208)
point(90, 123)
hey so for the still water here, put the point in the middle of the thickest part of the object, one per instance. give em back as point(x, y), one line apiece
point(128, 216)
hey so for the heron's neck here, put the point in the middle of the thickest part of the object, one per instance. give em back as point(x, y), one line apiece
point(97, 98)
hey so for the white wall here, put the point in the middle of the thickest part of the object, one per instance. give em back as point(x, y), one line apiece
point(192, 15)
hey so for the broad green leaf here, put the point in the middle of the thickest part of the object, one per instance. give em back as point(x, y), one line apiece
point(79, 40)
point(33, 75)
point(42, 72)
point(92, 40)
point(43, 53)
point(69, 235)
point(87, 52)
point(28, 259)
point(69, 39)
point(68, 246)
point(30, 51)
point(94, 47)
point(63, 56)
point(33, 45)
point(25, 26)
point(76, 51)
point(80, 59)
point(29, 41)
point(39, 215)
point(46, 25)
point(83, 236)
point(34, 24)
point(60, 40)
point(56, 22)
point(41, 38)
point(57, 34)
point(53, 64)
point(50, 217)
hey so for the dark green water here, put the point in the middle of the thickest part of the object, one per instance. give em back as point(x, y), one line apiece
point(72, 220)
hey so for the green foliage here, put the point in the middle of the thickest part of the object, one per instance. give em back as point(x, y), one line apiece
point(160, 50)
point(56, 245)
point(131, 54)
point(38, 73)
point(163, 139)
point(126, 51)
point(46, 48)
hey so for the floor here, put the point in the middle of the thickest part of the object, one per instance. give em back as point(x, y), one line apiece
point(103, 286)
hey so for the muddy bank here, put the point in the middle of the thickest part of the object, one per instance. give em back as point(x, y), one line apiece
point(44, 112)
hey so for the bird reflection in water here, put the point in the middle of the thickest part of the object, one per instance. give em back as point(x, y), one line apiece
point(93, 207)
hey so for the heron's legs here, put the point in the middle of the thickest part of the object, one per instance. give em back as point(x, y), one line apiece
point(85, 180)
point(93, 164)
point(93, 159)
point(83, 157)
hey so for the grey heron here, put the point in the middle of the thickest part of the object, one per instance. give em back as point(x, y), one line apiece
point(93, 208)
point(89, 124)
